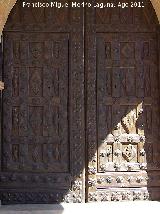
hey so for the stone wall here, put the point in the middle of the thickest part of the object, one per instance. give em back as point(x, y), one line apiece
point(7, 5)
point(156, 5)
point(5, 8)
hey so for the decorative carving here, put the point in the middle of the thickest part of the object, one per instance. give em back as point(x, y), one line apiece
point(117, 166)
point(21, 197)
point(100, 180)
point(30, 197)
point(35, 82)
point(15, 120)
point(57, 49)
point(142, 138)
point(77, 185)
point(103, 153)
point(130, 179)
point(109, 179)
point(36, 51)
point(103, 168)
point(109, 151)
point(127, 49)
point(129, 152)
point(119, 179)
point(116, 196)
point(142, 152)
point(91, 182)
point(140, 111)
point(37, 76)
point(103, 16)
point(122, 195)
point(77, 198)
point(92, 170)
point(93, 159)
point(130, 139)
point(15, 82)
point(117, 152)
point(92, 197)
point(129, 167)
point(127, 196)
point(117, 139)
point(15, 152)
point(36, 120)
point(146, 196)
point(121, 94)
point(139, 179)
point(137, 195)
point(143, 166)
point(108, 50)
point(104, 196)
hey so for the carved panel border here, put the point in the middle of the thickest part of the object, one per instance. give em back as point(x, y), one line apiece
point(134, 194)
point(77, 139)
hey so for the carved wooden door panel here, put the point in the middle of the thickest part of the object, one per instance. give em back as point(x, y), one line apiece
point(122, 104)
point(43, 109)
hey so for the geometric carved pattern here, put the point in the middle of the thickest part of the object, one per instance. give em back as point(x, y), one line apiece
point(15, 152)
point(36, 120)
point(40, 110)
point(130, 17)
point(103, 16)
point(124, 103)
point(15, 120)
point(108, 50)
point(36, 51)
point(35, 82)
point(125, 114)
point(127, 49)
point(39, 18)
point(129, 152)
point(15, 82)
point(43, 106)
point(16, 51)
point(122, 78)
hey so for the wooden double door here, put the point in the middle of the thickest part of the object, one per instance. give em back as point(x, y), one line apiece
point(80, 109)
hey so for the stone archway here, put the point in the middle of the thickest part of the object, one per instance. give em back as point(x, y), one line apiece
point(7, 5)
